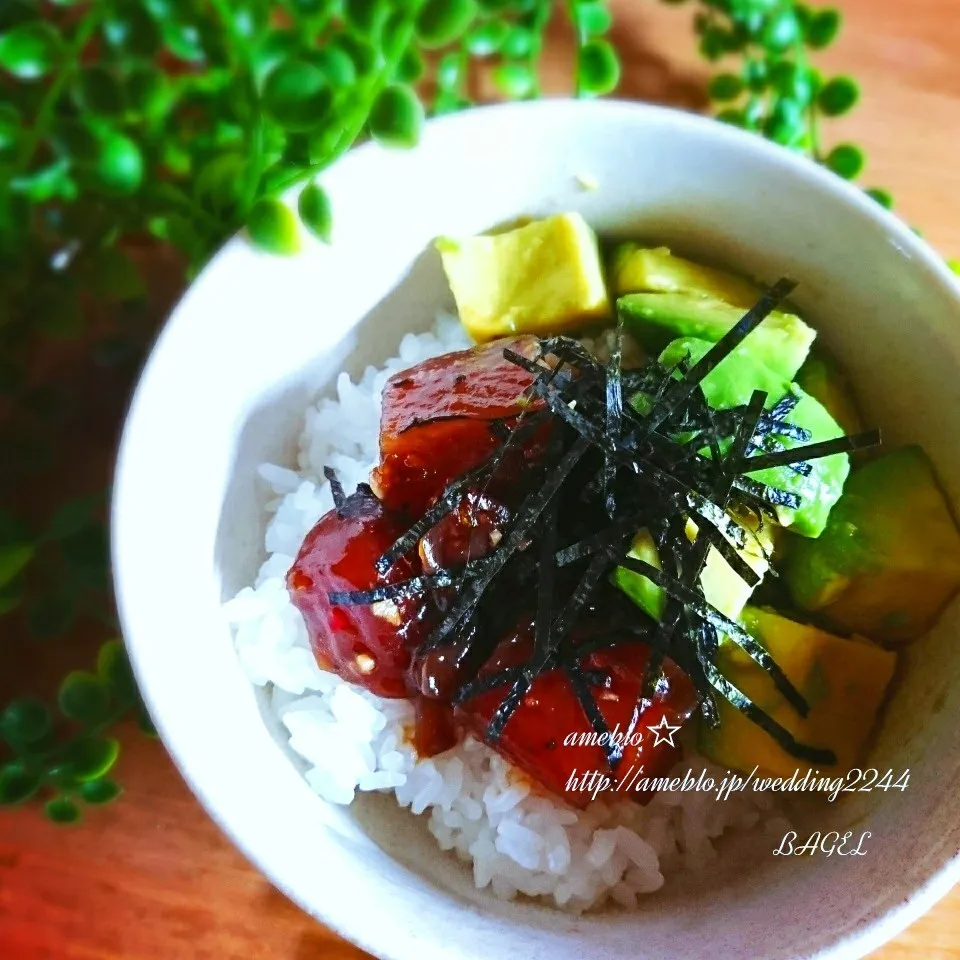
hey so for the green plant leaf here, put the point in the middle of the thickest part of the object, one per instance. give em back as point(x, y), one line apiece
point(725, 86)
point(119, 167)
point(147, 92)
point(100, 791)
point(598, 68)
point(881, 196)
point(51, 182)
point(273, 227)
point(25, 721)
point(411, 66)
point(127, 26)
point(113, 667)
point(11, 128)
point(219, 183)
point(297, 95)
point(91, 757)
point(442, 21)
point(396, 116)
point(365, 16)
point(822, 28)
point(13, 558)
point(593, 19)
point(838, 96)
point(487, 38)
point(515, 79)
point(517, 44)
point(314, 209)
point(183, 40)
point(97, 91)
point(84, 697)
point(336, 65)
point(18, 783)
point(31, 50)
point(846, 160)
point(62, 810)
point(145, 722)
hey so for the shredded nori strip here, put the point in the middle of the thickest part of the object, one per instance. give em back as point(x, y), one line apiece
point(628, 450)
point(336, 487)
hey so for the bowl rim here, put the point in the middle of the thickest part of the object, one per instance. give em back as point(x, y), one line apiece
point(855, 944)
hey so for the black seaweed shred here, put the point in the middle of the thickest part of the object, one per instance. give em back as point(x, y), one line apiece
point(629, 449)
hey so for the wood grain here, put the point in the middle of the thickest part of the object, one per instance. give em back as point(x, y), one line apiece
point(152, 878)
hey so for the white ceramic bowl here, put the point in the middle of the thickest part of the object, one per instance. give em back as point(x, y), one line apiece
point(256, 336)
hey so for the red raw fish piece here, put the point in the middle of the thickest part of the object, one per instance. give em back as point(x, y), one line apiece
point(533, 738)
point(435, 424)
point(368, 644)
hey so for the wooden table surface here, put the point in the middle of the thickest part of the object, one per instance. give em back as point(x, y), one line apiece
point(152, 878)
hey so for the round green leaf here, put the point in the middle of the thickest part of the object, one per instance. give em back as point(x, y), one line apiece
point(97, 91)
point(91, 757)
point(593, 19)
point(713, 44)
point(787, 123)
point(396, 116)
point(755, 75)
point(838, 96)
point(25, 721)
point(84, 697)
point(365, 16)
point(823, 27)
point(220, 181)
point(846, 160)
point(598, 68)
point(30, 50)
point(10, 128)
point(271, 48)
point(336, 65)
point(100, 791)
point(297, 95)
point(883, 197)
point(792, 81)
point(363, 55)
point(442, 21)
point(515, 79)
point(734, 118)
point(13, 558)
point(50, 182)
point(782, 30)
point(183, 40)
point(517, 44)
point(128, 27)
point(314, 209)
point(119, 168)
point(725, 86)
point(411, 67)
point(17, 783)
point(62, 810)
point(273, 227)
point(147, 91)
point(487, 38)
point(113, 667)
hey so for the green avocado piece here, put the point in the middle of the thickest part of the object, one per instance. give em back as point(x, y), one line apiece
point(822, 487)
point(722, 586)
point(888, 561)
point(824, 381)
point(635, 269)
point(782, 341)
point(731, 384)
point(843, 681)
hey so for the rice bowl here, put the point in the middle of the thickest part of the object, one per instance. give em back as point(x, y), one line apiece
point(221, 432)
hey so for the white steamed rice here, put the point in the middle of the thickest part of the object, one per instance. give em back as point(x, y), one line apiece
point(516, 839)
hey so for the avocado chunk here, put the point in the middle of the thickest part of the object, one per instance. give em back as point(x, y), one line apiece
point(843, 682)
point(781, 341)
point(542, 278)
point(888, 561)
point(722, 587)
point(824, 381)
point(730, 384)
point(636, 269)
